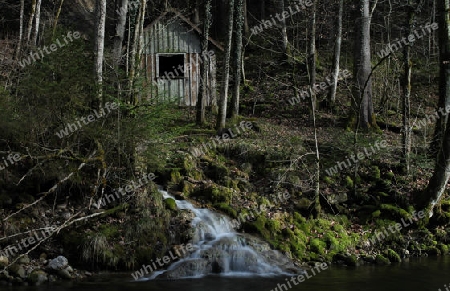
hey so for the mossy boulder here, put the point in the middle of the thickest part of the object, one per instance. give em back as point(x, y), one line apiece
point(213, 194)
point(226, 208)
point(170, 204)
point(318, 246)
point(381, 260)
point(345, 259)
point(37, 277)
point(393, 256)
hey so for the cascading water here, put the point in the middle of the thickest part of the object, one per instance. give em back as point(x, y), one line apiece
point(220, 250)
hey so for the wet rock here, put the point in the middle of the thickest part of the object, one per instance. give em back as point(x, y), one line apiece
point(24, 260)
point(58, 263)
point(65, 274)
point(4, 261)
point(17, 270)
point(188, 268)
point(4, 276)
point(209, 236)
point(37, 277)
point(345, 259)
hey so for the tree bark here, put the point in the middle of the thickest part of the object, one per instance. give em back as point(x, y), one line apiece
point(55, 23)
point(221, 118)
point(204, 67)
point(406, 134)
point(30, 20)
point(238, 59)
point(312, 49)
point(120, 32)
point(135, 50)
point(363, 67)
point(284, 35)
point(19, 44)
point(439, 180)
point(444, 83)
point(336, 57)
point(99, 48)
point(246, 27)
point(197, 12)
point(37, 22)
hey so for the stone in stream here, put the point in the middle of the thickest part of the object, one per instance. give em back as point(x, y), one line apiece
point(58, 263)
point(37, 277)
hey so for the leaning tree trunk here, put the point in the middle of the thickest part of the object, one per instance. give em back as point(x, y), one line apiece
point(99, 49)
point(238, 59)
point(55, 23)
point(37, 22)
point(336, 57)
point(406, 134)
point(226, 76)
point(363, 67)
point(30, 20)
point(441, 174)
point(204, 67)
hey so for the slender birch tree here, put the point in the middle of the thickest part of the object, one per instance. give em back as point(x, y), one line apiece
point(337, 56)
point(37, 22)
point(19, 44)
point(99, 48)
point(221, 117)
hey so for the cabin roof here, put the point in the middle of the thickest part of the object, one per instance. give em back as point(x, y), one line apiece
point(178, 14)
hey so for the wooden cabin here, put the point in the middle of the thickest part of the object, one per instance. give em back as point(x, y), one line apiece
point(172, 58)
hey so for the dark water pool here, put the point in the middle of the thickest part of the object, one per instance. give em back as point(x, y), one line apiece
point(426, 274)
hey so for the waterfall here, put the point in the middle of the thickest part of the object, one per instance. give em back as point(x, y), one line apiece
point(219, 249)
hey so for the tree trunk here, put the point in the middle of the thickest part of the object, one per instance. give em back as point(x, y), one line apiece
point(197, 12)
point(99, 48)
point(120, 32)
point(55, 23)
point(246, 27)
point(363, 67)
point(336, 57)
point(30, 21)
point(441, 174)
point(238, 59)
point(284, 35)
point(37, 22)
point(406, 134)
point(221, 117)
point(204, 67)
point(312, 49)
point(444, 84)
point(19, 44)
point(134, 51)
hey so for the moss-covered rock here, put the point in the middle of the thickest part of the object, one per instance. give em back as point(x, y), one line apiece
point(393, 256)
point(226, 208)
point(170, 204)
point(381, 260)
point(345, 259)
